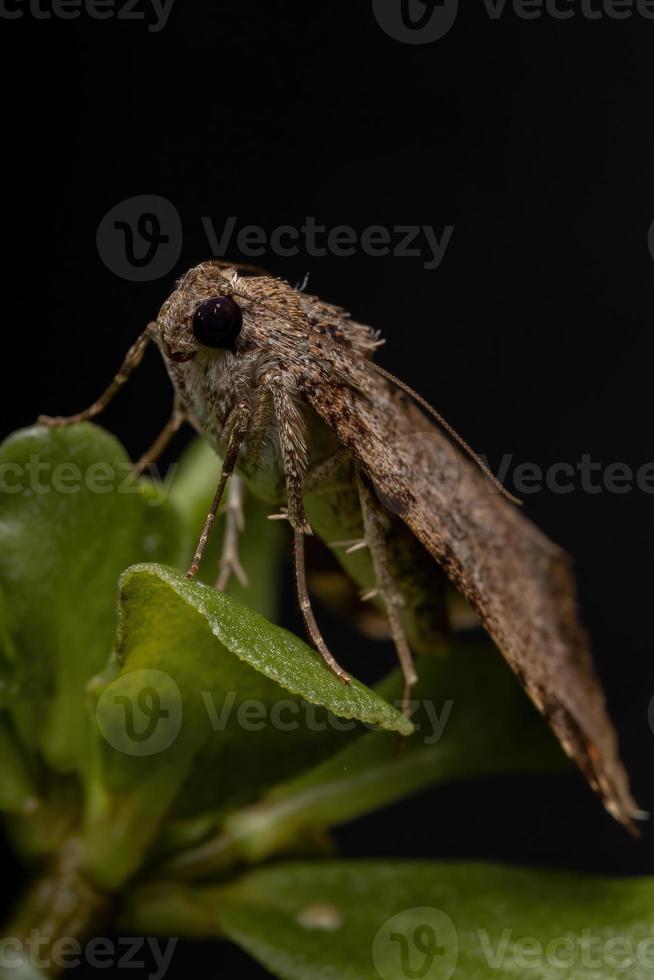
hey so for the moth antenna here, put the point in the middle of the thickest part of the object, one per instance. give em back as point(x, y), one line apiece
point(244, 268)
point(451, 431)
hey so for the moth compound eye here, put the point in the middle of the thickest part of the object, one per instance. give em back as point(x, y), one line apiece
point(217, 322)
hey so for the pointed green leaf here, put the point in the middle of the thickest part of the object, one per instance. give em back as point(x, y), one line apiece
point(197, 672)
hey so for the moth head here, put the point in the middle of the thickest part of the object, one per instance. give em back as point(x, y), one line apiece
point(204, 313)
point(220, 310)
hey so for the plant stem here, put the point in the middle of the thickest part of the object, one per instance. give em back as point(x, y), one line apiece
point(54, 918)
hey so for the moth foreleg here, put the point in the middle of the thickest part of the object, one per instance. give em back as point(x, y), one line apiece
point(292, 442)
point(131, 361)
point(263, 411)
point(238, 424)
point(230, 563)
point(293, 447)
point(373, 523)
point(307, 612)
point(174, 423)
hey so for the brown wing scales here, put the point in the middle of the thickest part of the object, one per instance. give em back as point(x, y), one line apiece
point(519, 582)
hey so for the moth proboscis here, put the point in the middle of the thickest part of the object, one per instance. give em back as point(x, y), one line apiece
point(283, 386)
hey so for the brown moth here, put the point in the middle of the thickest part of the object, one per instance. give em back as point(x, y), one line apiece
point(283, 386)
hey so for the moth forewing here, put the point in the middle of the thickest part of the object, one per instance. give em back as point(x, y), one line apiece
point(518, 581)
point(282, 385)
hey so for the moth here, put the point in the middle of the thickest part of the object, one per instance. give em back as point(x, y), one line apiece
point(285, 388)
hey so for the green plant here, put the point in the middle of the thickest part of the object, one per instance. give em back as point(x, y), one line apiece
point(185, 783)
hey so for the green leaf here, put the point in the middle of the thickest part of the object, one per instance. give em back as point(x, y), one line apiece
point(72, 517)
point(464, 729)
point(366, 920)
point(195, 670)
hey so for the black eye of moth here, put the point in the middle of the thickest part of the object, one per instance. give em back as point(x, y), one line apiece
point(217, 322)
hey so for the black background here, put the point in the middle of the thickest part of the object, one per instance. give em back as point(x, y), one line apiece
point(533, 138)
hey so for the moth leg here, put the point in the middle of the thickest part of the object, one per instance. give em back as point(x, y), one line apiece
point(133, 358)
point(238, 424)
point(307, 611)
point(230, 563)
point(172, 426)
point(373, 522)
point(263, 411)
point(294, 458)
